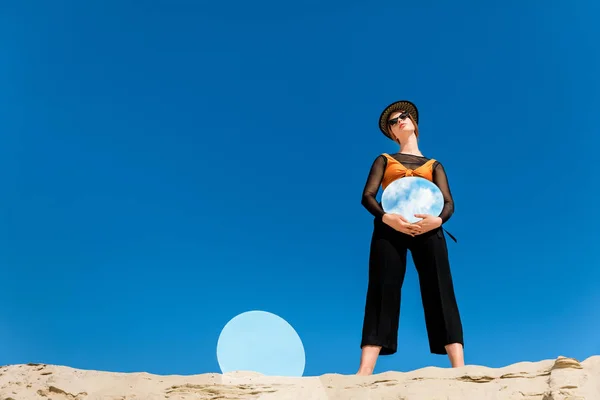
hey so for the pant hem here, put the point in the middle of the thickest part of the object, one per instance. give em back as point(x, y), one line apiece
point(442, 350)
point(385, 350)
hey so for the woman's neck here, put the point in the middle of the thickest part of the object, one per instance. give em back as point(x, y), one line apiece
point(410, 146)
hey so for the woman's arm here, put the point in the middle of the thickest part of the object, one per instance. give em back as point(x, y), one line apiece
point(369, 200)
point(441, 181)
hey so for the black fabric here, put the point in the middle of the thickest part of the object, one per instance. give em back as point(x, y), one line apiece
point(387, 268)
point(369, 199)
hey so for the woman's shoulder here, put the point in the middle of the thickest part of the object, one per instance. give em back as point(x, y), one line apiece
point(381, 157)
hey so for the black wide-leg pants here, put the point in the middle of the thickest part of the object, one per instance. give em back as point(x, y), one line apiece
point(387, 267)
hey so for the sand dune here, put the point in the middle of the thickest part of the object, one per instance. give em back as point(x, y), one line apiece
point(560, 379)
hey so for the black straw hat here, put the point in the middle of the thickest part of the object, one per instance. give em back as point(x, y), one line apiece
point(401, 105)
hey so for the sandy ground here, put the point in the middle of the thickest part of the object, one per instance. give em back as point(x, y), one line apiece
point(560, 379)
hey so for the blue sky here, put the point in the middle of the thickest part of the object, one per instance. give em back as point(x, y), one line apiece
point(168, 165)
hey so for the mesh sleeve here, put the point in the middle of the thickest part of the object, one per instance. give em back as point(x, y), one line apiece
point(441, 180)
point(369, 199)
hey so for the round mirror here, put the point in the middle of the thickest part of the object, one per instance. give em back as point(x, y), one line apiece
point(412, 195)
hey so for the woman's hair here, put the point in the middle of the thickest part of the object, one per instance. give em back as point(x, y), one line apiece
point(415, 124)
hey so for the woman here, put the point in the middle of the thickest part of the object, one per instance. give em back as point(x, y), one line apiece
point(393, 236)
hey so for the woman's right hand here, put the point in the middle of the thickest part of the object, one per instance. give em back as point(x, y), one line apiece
point(399, 223)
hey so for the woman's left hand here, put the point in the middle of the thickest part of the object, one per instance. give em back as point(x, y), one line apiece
point(428, 223)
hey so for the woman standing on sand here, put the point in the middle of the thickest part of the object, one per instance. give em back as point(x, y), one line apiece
point(393, 236)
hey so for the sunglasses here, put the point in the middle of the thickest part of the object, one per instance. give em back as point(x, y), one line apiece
point(394, 121)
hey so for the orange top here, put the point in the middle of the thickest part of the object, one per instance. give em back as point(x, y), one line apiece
point(395, 170)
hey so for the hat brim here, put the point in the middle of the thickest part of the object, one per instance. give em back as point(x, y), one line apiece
point(401, 105)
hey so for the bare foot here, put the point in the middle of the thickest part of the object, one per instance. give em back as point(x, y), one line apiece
point(362, 372)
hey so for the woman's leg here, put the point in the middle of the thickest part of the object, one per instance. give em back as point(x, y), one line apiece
point(387, 267)
point(456, 354)
point(368, 359)
point(442, 317)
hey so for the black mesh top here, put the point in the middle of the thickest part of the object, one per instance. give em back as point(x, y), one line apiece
point(375, 177)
